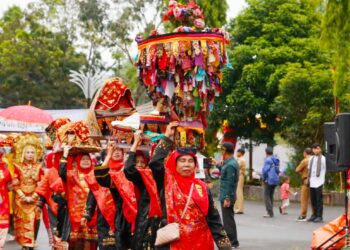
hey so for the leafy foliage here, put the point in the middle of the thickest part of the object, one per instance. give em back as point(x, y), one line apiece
point(305, 102)
point(35, 63)
point(268, 36)
point(335, 37)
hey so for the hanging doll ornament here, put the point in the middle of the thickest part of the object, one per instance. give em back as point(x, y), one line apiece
point(184, 65)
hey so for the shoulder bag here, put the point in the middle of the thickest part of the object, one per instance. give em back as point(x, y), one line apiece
point(171, 232)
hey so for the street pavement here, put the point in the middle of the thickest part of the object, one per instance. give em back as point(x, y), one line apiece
point(282, 232)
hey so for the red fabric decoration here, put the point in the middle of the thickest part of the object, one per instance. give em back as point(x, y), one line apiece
point(155, 209)
point(104, 199)
point(127, 192)
point(49, 160)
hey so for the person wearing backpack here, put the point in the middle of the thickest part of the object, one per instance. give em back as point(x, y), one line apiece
point(270, 175)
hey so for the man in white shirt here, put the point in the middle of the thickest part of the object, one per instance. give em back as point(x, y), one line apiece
point(317, 173)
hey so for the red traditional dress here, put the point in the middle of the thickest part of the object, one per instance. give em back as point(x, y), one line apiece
point(149, 211)
point(50, 176)
point(77, 190)
point(5, 180)
point(123, 193)
point(201, 224)
point(26, 220)
point(101, 197)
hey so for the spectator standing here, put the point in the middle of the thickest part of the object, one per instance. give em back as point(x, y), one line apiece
point(302, 169)
point(317, 173)
point(228, 187)
point(239, 205)
point(270, 174)
point(284, 191)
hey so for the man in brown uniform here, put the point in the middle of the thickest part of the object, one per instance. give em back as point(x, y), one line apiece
point(239, 207)
point(303, 171)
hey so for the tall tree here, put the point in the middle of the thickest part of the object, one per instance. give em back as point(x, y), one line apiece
point(266, 36)
point(304, 103)
point(35, 63)
point(336, 38)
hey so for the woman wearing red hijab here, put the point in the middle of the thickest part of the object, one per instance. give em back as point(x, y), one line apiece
point(5, 181)
point(149, 212)
point(101, 198)
point(201, 225)
point(73, 170)
point(111, 175)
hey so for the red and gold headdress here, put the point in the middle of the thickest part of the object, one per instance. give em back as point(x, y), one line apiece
point(28, 140)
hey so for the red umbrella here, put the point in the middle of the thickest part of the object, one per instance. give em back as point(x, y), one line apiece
point(26, 113)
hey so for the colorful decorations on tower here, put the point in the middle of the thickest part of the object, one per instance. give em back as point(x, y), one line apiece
point(186, 67)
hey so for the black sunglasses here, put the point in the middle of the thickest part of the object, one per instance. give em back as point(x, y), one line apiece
point(187, 150)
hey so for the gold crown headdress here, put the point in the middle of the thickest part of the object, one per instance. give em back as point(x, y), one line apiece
point(28, 139)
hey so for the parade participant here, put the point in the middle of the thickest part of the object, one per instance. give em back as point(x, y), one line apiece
point(186, 200)
point(149, 213)
point(57, 206)
point(45, 192)
point(110, 174)
point(102, 199)
point(26, 176)
point(73, 170)
point(5, 181)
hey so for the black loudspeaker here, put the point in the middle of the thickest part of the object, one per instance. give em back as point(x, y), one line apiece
point(330, 147)
point(342, 139)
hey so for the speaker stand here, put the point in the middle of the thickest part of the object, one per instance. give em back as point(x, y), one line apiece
point(343, 229)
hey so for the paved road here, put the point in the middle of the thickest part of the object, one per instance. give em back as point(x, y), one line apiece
point(282, 232)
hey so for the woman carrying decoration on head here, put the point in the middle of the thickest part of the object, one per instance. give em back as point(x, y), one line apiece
point(73, 170)
point(101, 198)
point(5, 181)
point(27, 174)
point(186, 201)
point(75, 165)
point(149, 212)
point(110, 174)
point(57, 206)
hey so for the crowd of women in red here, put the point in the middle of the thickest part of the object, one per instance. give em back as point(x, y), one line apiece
point(123, 199)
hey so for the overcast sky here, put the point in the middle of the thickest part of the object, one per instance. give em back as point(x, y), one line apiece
point(235, 6)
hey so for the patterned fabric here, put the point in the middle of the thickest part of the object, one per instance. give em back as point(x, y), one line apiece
point(80, 129)
point(77, 191)
point(52, 129)
point(194, 230)
point(115, 95)
point(5, 178)
point(25, 218)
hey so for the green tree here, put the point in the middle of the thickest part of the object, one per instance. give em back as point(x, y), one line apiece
point(266, 36)
point(305, 102)
point(214, 12)
point(336, 38)
point(35, 63)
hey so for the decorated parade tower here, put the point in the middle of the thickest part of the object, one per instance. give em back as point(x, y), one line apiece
point(182, 71)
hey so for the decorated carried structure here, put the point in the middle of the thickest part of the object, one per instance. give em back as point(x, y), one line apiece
point(112, 102)
point(184, 67)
